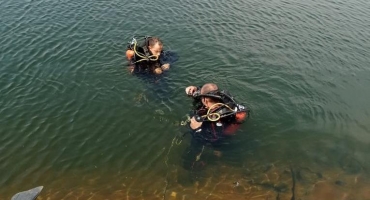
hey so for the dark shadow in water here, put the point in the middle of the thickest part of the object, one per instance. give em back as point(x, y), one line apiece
point(200, 160)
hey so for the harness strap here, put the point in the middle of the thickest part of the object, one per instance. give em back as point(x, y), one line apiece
point(145, 46)
point(145, 55)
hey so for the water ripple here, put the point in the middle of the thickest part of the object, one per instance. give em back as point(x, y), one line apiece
point(69, 107)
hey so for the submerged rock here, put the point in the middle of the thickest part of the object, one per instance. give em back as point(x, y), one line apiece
point(29, 194)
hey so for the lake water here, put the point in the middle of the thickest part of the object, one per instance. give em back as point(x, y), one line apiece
point(74, 120)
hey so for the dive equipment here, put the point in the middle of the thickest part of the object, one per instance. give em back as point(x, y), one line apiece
point(225, 108)
point(141, 51)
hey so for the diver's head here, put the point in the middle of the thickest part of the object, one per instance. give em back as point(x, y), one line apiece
point(209, 88)
point(155, 45)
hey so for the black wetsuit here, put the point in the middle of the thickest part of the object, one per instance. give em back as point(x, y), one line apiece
point(210, 133)
point(145, 66)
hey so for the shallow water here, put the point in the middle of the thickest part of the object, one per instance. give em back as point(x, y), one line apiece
point(75, 121)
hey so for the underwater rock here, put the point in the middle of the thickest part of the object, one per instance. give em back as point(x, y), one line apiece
point(307, 176)
point(29, 194)
point(159, 111)
point(339, 182)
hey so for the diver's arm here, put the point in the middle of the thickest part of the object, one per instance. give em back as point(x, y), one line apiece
point(194, 91)
point(165, 66)
point(190, 90)
point(194, 124)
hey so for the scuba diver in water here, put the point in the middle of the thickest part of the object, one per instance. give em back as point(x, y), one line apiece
point(216, 117)
point(146, 56)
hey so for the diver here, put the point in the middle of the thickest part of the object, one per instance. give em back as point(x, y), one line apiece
point(146, 56)
point(216, 117)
